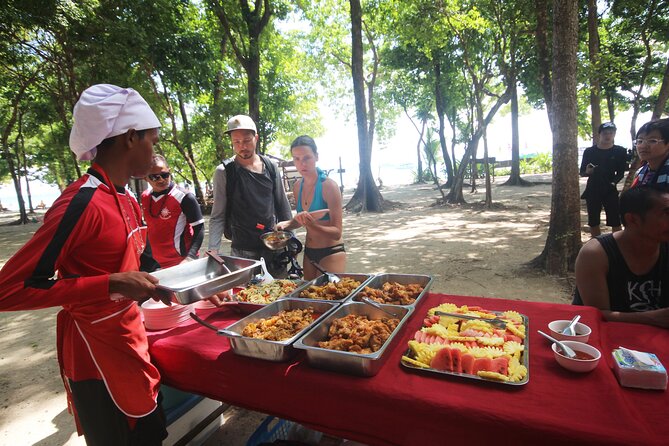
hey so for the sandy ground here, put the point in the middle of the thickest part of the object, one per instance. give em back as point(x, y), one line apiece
point(468, 249)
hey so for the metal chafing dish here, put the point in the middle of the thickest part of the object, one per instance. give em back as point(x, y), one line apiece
point(276, 351)
point(202, 278)
point(404, 279)
point(347, 362)
point(323, 280)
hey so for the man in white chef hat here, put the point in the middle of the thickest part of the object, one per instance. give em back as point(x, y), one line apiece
point(86, 258)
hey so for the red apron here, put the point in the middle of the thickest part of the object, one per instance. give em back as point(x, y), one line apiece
point(116, 339)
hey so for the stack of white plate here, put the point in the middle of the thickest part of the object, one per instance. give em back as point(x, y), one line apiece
point(158, 316)
point(203, 304)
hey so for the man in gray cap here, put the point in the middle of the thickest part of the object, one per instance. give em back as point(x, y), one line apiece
point(249, 197)
point(86, 258)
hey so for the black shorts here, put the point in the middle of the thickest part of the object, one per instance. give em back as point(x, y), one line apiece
point(105, 425)
point(611, 206)
point(318, 254)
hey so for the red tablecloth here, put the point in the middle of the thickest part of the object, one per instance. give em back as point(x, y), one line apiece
point(403, 407)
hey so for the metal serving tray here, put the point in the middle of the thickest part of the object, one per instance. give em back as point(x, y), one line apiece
point(276, 351)
point(323, 279)
point(249, 307)
point(202, 278)
point(403, 279)
point(347, 362)
point(524, 360)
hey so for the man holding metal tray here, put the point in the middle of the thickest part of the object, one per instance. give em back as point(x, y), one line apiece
point(86, 258)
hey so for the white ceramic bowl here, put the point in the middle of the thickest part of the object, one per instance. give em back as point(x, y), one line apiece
point(577, 365)
point(582, 331)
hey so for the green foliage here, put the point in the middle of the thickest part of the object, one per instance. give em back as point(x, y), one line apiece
point(541, 163)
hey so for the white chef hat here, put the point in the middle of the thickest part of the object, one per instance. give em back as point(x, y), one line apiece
point(103, 111)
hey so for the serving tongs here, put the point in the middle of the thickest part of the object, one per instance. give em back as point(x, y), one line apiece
point(332, 278)
point(497, 322)
point(221, 331)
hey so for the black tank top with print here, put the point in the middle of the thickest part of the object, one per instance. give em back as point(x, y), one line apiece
point(629, 292)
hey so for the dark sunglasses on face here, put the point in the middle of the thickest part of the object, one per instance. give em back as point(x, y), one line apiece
point(157, 176)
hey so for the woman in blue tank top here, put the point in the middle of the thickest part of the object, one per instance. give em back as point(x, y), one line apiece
point(316, 192)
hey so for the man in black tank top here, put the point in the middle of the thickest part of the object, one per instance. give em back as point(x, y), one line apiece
point(626, 274)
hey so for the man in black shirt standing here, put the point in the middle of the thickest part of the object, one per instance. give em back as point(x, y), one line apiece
point(249, 198)
point(604, 164)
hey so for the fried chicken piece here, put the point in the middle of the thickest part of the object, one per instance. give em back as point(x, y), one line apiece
point(284, 325)
point(357, 334)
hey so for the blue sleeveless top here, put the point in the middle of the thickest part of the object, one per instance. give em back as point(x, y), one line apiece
point(317, 202)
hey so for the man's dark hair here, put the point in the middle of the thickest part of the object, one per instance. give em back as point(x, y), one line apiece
point(109, 141)
point(661, 125)
point(159, 159)
point(305, 140)
point(639, 200)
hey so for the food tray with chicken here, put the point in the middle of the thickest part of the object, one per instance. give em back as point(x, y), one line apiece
point(473, 343)
point(321, 289)
point(353, 338)
point(404, 290)
point(270, 332)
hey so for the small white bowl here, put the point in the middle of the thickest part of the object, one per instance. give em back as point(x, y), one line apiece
point(582, 331)
point(574, 364)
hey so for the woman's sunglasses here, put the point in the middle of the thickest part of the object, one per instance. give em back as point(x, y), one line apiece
point(157, 176)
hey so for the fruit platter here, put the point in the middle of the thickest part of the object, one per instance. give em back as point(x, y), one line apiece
point(471, 342)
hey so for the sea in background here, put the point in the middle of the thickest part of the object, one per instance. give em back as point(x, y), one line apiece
point(390, 174)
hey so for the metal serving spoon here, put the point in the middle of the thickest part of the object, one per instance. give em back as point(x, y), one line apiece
point(566, 350)
point(569, 329)
point(378, 306)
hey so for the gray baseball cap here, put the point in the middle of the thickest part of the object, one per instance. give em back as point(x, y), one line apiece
point(241, 122)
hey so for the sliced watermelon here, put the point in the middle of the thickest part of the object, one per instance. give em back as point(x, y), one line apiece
point(482, 364)
point(467, 362)
point(500, 365)
point(512, 337)
point(418, 336)
point(456, 359)
point(442, 360)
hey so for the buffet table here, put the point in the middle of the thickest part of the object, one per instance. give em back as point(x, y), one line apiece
point(405, 407)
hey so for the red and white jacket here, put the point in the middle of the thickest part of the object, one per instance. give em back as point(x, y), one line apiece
point(91, 231)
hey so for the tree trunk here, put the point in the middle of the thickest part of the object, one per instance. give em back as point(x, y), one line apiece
point(455, 195)
point(419, 159)
point(217, 109)
point(515, 178)
point(543, 56)
point(421, 132)
point(367, 196)
point(190, 158)
point(564, 233)
point(593, 54)
point(486, 169)
point(438, 97)
point(662, 96)
point(22, 159)
point(247, 53)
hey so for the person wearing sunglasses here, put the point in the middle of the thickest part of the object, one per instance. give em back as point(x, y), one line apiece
point(652, 145)
point(173, 217)
point(604, 164)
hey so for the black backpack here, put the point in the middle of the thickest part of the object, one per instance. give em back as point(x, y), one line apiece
point(231, 183)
